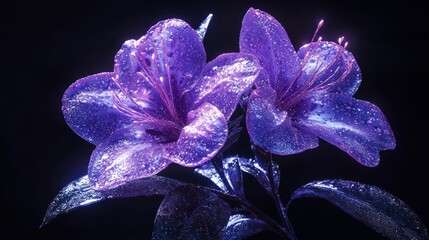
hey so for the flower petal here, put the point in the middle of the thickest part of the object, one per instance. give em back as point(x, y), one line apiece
point(130, 153)
point(329, 67)
point(135, 84)
point(264, 37)
point(223, 82)
point(357, 127)
point(272, 129)
point(174, 56)
point(201, 139)
point(88, 108)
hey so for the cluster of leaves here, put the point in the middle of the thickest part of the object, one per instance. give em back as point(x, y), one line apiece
point(221, 211)
point(196, 212)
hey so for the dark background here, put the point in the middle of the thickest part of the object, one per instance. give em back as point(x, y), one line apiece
point(47, 46)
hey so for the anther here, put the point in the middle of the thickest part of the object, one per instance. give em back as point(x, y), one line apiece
point(317, 29)
point(340, 40)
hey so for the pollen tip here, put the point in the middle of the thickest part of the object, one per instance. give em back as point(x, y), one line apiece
point(317, 29)
point(346, 44)
point(340, 40)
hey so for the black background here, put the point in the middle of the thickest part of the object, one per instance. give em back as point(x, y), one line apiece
point(47, 46)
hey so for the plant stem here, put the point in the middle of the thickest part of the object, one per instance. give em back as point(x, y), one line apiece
point(279, 203)
point(272, 225)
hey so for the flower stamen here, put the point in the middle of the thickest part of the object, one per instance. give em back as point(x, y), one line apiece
point(303, 63)
point(319, 26)
point(150, 78)
point(285, 101)
point(126, 93)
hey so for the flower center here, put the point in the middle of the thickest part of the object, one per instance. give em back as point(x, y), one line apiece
point(126, 104)
point(315, 74)
point(159, 78)
point(150, 96)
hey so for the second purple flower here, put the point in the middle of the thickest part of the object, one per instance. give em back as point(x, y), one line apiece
point(306, 95)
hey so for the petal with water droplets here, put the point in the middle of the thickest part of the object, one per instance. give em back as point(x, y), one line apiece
point(357, 127)
point(223, 81)
point(173, 54)
point(273, 130)
point(130, 153)
point(199, 141)
point(264, 37)
point(88, 108)
point(135, 83)
point(329, 67)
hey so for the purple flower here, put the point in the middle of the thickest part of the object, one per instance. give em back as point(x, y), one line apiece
point(304, 95)
point(161, 104)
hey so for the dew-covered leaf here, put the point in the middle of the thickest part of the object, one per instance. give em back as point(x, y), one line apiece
point(80, 193)
point(231, 170)
point(378, 209)
point(233, 174)
point(240, 227)
point(202, 29)
point(207, 170)
point(258, 168)
point(190, 213)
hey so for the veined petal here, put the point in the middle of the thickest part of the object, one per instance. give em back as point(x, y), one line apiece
point(134, 82)
point(357, 127)
point(273, 130)
point(264, 37)
point(127, 66)
point(223, 82)
point(328, 67)
point(89, 110)
point(201, 139)
point(173, 55)
point(130, 153)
